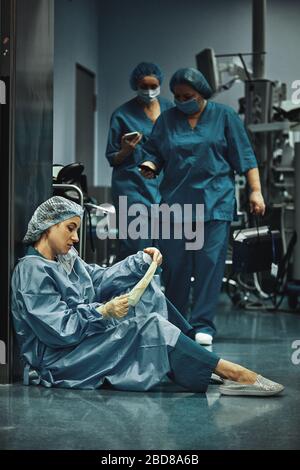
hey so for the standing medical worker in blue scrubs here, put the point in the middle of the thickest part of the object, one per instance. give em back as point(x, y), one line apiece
point(200, 144)
point(124, 153)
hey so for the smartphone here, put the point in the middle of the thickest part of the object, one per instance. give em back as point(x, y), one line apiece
point(131, 135)
point(145, 167)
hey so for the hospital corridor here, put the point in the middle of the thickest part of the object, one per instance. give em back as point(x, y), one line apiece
point(150, 232)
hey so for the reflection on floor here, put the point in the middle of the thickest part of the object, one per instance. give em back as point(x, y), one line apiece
point(39, 418)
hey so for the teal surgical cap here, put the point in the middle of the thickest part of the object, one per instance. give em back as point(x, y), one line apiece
point(51, 212)
point(144, 69)
point(193, 78)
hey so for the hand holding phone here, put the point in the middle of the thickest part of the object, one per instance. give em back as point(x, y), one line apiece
point(147, 172)
point(131, 136)
point(129, 142)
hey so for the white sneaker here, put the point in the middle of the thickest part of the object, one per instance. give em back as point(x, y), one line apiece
point(203, 338)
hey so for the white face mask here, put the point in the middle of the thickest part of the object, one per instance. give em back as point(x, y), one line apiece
point(67, 261)
point(148, 95)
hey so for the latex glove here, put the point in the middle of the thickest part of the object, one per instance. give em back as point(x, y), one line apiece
point(257, 203)
point(136, 293)
point(155, 255)
point(116, 308)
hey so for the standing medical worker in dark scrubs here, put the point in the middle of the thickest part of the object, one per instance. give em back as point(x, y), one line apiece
point(124, 152)
point(200, 144)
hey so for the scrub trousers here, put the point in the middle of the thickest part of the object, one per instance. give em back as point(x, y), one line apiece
point(206, 265)
point(191, 364)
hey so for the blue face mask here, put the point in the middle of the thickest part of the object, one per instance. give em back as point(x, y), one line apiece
point(188, 107)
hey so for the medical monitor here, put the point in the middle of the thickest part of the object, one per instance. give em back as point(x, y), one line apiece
point(207, 64)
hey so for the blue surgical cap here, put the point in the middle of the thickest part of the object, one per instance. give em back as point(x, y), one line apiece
point(51, 212)
point(144, 69)
point(193, 78)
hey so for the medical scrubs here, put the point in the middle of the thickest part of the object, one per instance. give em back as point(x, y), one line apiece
point(65, 342)
point(126, 178)
point(199, 166)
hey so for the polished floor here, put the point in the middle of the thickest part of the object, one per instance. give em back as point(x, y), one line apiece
point(39, 418)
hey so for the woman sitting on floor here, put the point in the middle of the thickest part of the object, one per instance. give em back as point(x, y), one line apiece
point(77, 327)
